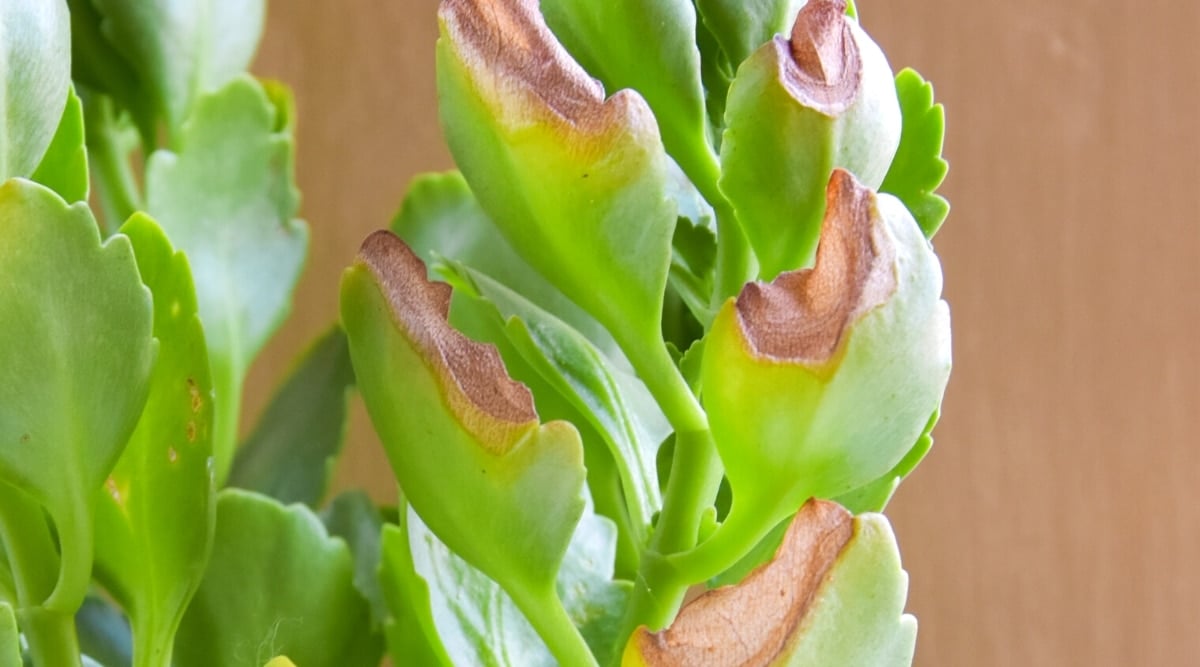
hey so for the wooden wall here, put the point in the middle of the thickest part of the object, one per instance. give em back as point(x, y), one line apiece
point(1055, 522)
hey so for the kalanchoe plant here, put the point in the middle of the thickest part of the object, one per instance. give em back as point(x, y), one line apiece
point(646, 368)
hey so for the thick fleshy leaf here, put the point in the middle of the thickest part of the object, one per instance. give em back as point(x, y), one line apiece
point(182, 48)
point(292, 451)
point(833, 595)
point(277, 584)
point(35, 75)
point(651, 48)
point(104, 633)
point(440, 218)
point(469, 620)
point(576, 182)
point(68, 403)
point(918, 168)
point(821, 381)
point(874, 496)
point(154, 520)
point(10, 639)
point(353, 517)
point(579, 373)
point(503, 491)
point(798, 108)
point(227, 198)
point(64, 167)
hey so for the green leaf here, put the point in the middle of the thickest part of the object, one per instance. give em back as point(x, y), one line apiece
point(918, 168)
point(651, 48)
point(104, 633)
point(8, 588)
point(353, 517)
point(440, 218)
point(182, 48)
point(693, 261)
point(68, 402)
point(154, 520)
point(96, 65)
point(64, 166)
point(292, 451)
point(35, 75)
point(502, 489)
point(786, 130)
point(411, 633)
point(10, 640)
point(874, 496)
point(580, 374)
point(469, 620)
point(576, 182)
point(741, 26)
point(277, 584)
point(227, 198)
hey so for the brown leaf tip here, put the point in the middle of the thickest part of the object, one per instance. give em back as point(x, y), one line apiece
point(509, 48)
point(750, 624)
point(802, 316)
point(823, 67)
point(420, 308)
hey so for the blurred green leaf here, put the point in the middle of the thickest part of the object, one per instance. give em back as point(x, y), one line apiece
point(104, 633)
point(68, 402)
point(10, 640)
point(35, 49)
point(154, 519)
point(918, 168)
point(277, 584)
point(353, 517)
point(291, 453)
point(8, 589)
point(183, 48)
point(64, 166)
point(741, 26)
point(227, 198)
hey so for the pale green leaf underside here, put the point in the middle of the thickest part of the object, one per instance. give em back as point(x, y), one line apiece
point(35, 74)
point(64, 166)
point(227, 198)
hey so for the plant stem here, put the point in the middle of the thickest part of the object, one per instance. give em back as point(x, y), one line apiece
point(657, 370)
point(116, 188)
point(546, 614)
point(151, 647)
point(52, 638)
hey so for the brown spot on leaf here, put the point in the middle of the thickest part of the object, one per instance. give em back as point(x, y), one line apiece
point(820, 65)
point(477, 386)
point(514, 56)
point(191, 431)
point(113, 490)
point(172, 455)
point(194, 392)
point(749, 624)
point(802, 315)
point(24, 438)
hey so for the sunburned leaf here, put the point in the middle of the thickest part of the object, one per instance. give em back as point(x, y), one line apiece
point(579, 373)
point(440, 218)
point(154, 520)
point(35, 75)
point(68, 402)
point(227, 198)
point(183, 49)
point(834, 594)
point(918, 168)
point(64, 167)
point(277, 584)
point(291, 452)
point(651, 48)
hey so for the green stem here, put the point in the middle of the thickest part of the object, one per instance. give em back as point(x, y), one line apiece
point(547, 615)
point(151, 647)
point(747, 524)
point(657, 370)
point(52, 638)
point(116, 188)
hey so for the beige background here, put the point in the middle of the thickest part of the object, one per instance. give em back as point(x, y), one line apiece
point(1055, 522)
